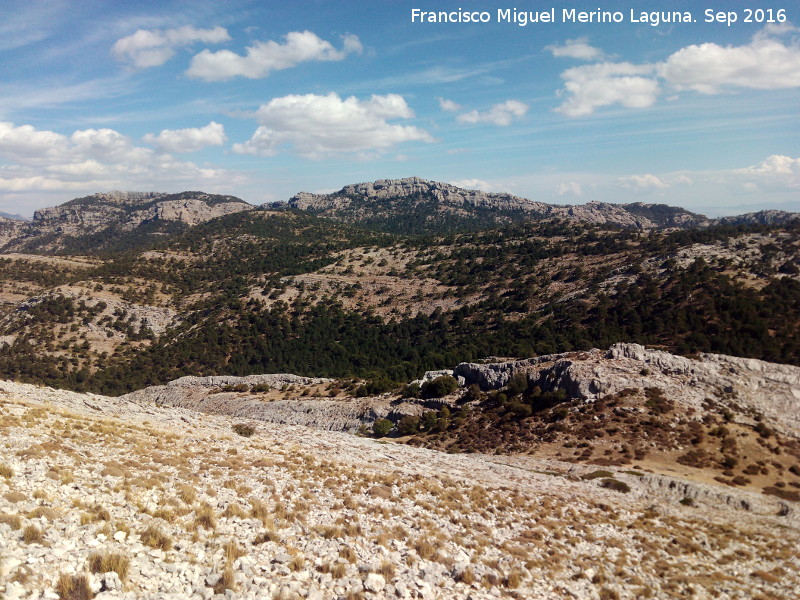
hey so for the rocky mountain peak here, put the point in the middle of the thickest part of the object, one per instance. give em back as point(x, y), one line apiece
point(410, 187)
point(113, 214)
point(432, 202)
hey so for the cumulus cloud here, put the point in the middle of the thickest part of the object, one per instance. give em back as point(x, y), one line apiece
point(500, 114)
point(578, 48)
point(263, 58)
point(472, 184)
point(153, 47)
point(604, 84)
point(643, 183)
point(316, 126)
point(569, 188)
point(448, 105)
point(88, 159)
point(765, 63)
point(188, 140)
point(775, 170)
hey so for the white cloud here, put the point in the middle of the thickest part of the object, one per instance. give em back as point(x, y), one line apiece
point(91, 160)
point(263, 58)
point(153, 47)
point(448, 105)
point(604, 84)
point(643, 183)
point(188, 140)
point(578, 48)
point(765, 63)
point(500, 114)
point(775, 170)
point(472, 184)
point(316, 126)
point(569, 188)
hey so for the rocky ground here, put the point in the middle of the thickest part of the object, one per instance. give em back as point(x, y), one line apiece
point(122, 499)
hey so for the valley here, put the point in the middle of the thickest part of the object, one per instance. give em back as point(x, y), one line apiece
point(402, 389)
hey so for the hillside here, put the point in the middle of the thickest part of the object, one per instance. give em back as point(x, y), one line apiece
point(114, 221)
point(418, 206)
point(283, 291)
point(300, 407)
point(128, 499)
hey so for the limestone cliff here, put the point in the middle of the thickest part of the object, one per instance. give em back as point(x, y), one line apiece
point(97, 221)
point(421, 205)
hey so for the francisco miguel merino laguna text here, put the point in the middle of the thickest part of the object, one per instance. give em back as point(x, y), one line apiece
point(572, 15)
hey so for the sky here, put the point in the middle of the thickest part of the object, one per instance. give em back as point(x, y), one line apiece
point(263, 99)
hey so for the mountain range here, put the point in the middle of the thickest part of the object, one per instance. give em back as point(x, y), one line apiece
point(400, 389)
point(124, 220)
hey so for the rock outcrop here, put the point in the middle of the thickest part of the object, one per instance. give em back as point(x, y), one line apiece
point(772, 390)
point(361, 201)
point(115, 214)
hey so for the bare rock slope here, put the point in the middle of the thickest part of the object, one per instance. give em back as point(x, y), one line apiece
point(427, 201)
point(125, 499)
point(114, 214)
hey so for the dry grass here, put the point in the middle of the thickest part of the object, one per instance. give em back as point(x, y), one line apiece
point(187, 493)
point(232, 551)
point(227, 580)
point(269, 535)
point(155, 538)
point(6, 471)
point(14, 497)
point(32, 535)
point(103, 562)
point(297, 563)
point(348, 554)
point(13, 521)
point(73, 587)
point(204, 516)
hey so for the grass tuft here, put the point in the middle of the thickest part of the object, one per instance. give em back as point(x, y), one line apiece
point(73, 587)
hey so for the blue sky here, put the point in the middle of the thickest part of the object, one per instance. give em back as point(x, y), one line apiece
point(266, 99)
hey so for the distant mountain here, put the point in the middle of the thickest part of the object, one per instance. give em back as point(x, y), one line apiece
point(114, 221)
point(762, 217)
point(4, 215)
point(415, 205)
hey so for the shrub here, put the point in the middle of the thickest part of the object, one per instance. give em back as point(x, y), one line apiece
point(473, 393)
point(520, 410)
point(6, 471)
point(439, 387)
point(382, 427)
point(517, 384)
point(408, 425)
point(616, 485)
point(244, 430)
point(597, 475)
point(428, 420)
point(412, 390)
